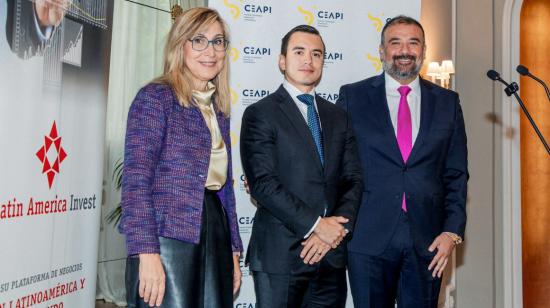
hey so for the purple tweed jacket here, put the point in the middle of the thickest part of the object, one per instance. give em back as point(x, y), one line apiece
point(166, 158)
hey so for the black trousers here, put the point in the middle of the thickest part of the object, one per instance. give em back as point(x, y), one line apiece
point(196, 275)
point(399, 275)
point(310, 286)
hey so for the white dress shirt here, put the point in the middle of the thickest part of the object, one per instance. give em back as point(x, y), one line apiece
point(413, 98)
point(294, 92)
point(44, 33)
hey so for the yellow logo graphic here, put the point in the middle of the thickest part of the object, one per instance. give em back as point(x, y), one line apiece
point(234, 96)
point(308, 15)
point(233, 9)
point(376, 22)
point(234, 139)
point(376, 63)
point(233, 54)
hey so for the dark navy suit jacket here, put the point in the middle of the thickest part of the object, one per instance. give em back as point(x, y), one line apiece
point(434, 177)
point(289, 183)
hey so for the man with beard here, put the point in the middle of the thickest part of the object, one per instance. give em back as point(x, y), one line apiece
point(412, 145)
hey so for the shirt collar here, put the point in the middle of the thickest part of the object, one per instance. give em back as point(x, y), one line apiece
point(294, 92)
point(392, 85)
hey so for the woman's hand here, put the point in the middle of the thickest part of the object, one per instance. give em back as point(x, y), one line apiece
point(236, 273)
point(151, 279)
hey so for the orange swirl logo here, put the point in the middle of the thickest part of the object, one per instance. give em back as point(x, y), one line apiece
point(234, 139)
point(233, 9)
point(375, 61)
point(234, 96)
point(308, 15)
point(376, 22)
point(233, 54)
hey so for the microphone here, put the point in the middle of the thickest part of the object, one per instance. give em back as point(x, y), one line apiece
point(512, 89)
point(524, 71)
point(492, 74)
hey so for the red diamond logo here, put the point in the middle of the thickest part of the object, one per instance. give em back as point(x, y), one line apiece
point(51, 168)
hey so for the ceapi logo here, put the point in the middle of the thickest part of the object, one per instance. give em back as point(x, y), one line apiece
point(324, 18)
point(249, 12)
point(48, 154)
point(245, 272)
point(334, 56)
point(254, 54)
point(330, 15)
point(263, 9)
point(333, 97)
point(258, 93)
point(261, 51)
point(246, 220)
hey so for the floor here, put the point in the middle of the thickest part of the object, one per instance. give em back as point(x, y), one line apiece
point(103, 304)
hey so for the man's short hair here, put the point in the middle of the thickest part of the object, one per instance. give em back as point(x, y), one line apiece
point(401, 19)
point(300, 28)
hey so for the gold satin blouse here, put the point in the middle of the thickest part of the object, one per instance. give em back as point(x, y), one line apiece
point(217, 170)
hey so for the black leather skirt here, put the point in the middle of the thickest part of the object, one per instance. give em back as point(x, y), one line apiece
point(197, 275)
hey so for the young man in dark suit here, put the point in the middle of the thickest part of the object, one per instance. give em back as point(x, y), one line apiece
point(412, 146)
point(299, 156)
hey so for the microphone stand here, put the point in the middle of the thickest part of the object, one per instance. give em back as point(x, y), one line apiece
point(512, 89)
point(542, 83)
point(524, 71)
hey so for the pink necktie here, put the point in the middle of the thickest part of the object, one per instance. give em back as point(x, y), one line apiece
point(404, 129)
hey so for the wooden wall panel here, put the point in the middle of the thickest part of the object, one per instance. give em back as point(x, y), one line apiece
point(535, 162)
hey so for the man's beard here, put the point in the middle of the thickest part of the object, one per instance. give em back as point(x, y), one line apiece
point(393, 70)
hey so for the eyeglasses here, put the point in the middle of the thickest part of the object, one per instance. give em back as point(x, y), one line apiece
point(200, 43)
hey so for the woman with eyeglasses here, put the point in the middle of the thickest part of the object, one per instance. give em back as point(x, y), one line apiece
point(178, 204)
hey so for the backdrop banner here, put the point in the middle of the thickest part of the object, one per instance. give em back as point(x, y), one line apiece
point(351, 31)
point(54, 60)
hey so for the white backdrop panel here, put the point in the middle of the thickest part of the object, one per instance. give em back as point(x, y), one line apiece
point(351, 32)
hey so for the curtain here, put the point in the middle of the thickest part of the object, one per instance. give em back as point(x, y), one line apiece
point(138, 38)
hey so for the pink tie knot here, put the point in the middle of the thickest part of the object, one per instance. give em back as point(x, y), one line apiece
point(404, 90)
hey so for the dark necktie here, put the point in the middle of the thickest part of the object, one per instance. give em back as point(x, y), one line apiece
point(313, 124)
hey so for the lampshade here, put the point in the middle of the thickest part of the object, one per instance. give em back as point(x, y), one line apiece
point(433, 69)
point(447, 67)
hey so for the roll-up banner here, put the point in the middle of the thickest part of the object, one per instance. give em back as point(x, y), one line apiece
point(54, 58)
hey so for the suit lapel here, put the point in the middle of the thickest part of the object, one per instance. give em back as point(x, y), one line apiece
point(381, 115)
point(427, 101)
point(293, 114)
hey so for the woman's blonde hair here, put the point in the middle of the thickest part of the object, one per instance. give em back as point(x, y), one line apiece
point(177, 74)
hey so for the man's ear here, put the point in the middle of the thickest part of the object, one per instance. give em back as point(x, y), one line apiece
point(282, 63)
